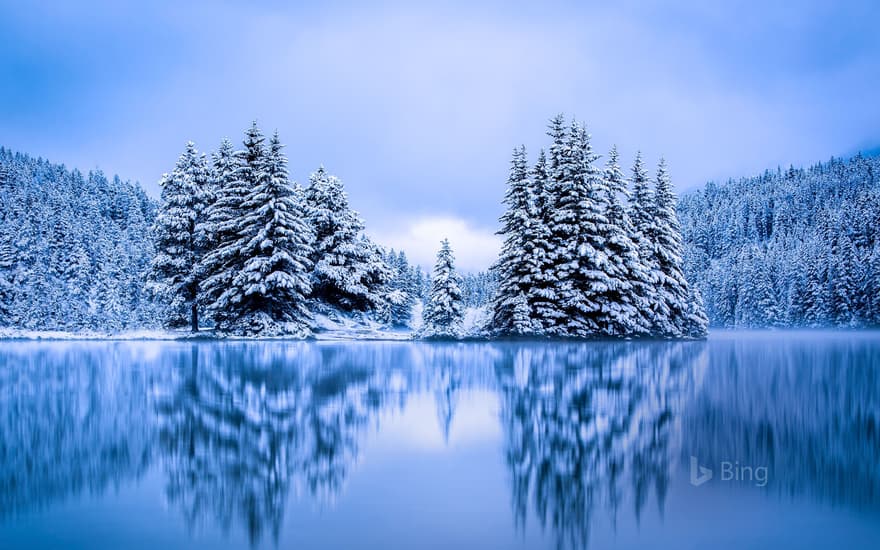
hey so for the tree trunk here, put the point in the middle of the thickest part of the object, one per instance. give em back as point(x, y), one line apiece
point(195, 318)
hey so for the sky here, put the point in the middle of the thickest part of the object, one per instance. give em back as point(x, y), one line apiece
point(418, 105)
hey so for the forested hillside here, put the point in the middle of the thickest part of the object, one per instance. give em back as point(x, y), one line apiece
point(796, 247)
point(74, 248)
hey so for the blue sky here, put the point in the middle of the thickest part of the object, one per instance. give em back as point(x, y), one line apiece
point(417, 106)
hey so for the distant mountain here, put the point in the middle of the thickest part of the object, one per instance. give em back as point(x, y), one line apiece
point(795, 247)
point(74, 248)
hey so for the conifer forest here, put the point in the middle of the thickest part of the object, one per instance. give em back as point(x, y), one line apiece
point(592, 247)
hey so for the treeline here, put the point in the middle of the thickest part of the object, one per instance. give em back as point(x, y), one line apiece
point(91, 253)
point(238, 241)
point(788, 248)
point(587, 253)
point(74, 248)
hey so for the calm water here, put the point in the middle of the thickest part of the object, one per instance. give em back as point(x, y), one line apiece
point(410, 445)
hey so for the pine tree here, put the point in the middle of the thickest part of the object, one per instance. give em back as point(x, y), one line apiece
point(643, 216)
point(185, 196)
point(673, 286)
point(272, 287)
point(627, 296)
point(846, 283)
point(541, 292)
point(227, 233)
point(349, 271)
point(588, 307)
point(562, 207)
point(513, 269)
point(219, 231)
point(444, 311)
point(521, 320)
point(696, 322)
point(402, 293)
point(7, 264)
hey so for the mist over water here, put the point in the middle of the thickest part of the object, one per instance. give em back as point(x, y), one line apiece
point(492, 445)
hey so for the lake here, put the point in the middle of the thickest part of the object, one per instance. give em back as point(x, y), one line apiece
point(747, 440)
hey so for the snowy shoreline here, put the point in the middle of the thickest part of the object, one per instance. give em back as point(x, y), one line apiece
point(206, 335)
point(361, 334)
point(336, 331)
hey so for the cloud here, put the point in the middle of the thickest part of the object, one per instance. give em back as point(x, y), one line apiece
point(417, 106)
point(475, 248)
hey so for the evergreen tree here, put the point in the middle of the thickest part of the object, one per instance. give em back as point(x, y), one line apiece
point(272, 287)
point(349, 271)
point(541, 292)
point(225, 229)
point(642, 215)
point(846, 283)
point(696, 322)
point(521, 320)
point(402, 293)
point(185, 196)
point(589, 308)
point(672, 286)
point(627, 296)
point(7, 263)
point(220, 228)
point(513, 269)
point(444, 311)
point(562, 203)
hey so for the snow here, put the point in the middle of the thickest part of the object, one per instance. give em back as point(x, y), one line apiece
point(144, 334)
point(339, 326)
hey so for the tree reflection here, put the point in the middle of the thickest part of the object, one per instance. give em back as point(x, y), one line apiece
point(584, 423)
point(807, 407)
point(65, 422)
point(591, 431)
point(248, 422)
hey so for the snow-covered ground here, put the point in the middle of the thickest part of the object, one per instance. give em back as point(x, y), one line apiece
point(336, 326)
point(331, 325)
point(18, 334)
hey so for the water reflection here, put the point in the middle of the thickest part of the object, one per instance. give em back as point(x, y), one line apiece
point(248, 421)
point(588, 425)
point(589, 431)
point(806, 406)
point(68, 422)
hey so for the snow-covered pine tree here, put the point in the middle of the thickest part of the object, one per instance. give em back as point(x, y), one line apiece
point(696, 322)
point(219, 230)
point(186, 193)
point(349, 271)
point(626, 298)
point(871, 286)
point(513, 268)
point(562, 203)
point(847, 280)
point(444, 310)
point(673, 286)
point(274, 240)
point(588, 306)
point(521, 323)
point(541, 292)
point(7, 263)
point(643, 217)
point(225, 230)
point(402, 290)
